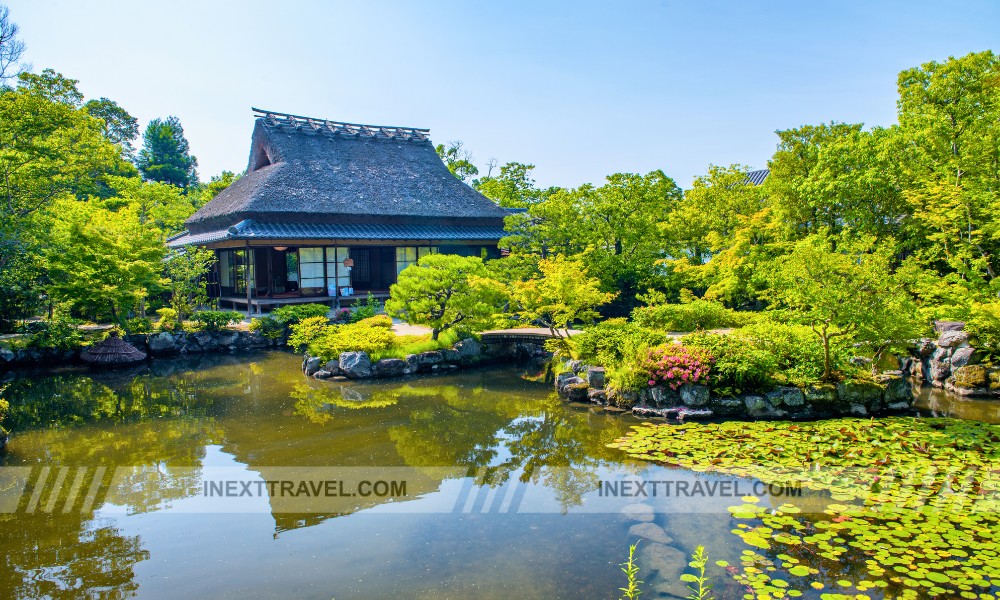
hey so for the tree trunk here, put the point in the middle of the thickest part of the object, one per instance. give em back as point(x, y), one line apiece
point(434, 334)
point(826, 357)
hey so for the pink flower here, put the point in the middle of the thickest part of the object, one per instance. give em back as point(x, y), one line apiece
point(651, 382)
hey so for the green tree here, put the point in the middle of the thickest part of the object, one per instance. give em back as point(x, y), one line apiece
point(185, 271)
point(563, 295)
point(120, 128)
point(165, 154)
point(512, 188)
point(458, 160)
point(102, 261)
point(49, 147)
point(949, 114)
point(790, 184)
point(842, 288)
point(443, 291)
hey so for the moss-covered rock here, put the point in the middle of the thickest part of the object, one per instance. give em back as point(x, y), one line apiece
point(970, 377)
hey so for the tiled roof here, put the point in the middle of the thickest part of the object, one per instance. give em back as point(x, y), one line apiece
point(252, 230)
point(758, 177)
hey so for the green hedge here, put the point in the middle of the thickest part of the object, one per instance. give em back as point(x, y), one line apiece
point(693, 316)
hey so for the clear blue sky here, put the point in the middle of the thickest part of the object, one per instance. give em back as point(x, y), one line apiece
point(580, 89)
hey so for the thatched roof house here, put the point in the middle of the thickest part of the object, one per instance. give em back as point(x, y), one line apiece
point(330, 209)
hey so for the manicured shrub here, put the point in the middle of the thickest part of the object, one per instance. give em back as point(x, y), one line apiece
point(609, 342)
point(306, 331)
point(739, 366)
point(295, 313)
point(383, 321)
point(168, 320)
point(693, 316)
point(215, 320)
point(139, 325)
point(369, 336)
point(267, 327)
point(674, 365)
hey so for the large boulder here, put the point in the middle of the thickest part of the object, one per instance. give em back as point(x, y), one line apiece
point(412, 366)
point(970, 377)
point(355, 365)
point(163, 343)
point(662, 396)
point(332, 366)
point(953, 339)
point(7, 356)
point(576, 390)
point(390, 367)
point(898, 394)
point(312, 365)
point(759, 407)
point(694, 394)
point(563, 378)
point(595, 377)
point(863, 393)
point(469, 349)
point(427, 360)
point(963, 356)
point(451, 356)
point(945, 326)
point(786, 396)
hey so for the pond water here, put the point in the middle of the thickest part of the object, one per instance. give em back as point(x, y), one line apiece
point(482, 484)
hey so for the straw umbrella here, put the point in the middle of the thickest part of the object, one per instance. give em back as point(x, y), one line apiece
point(112, 351)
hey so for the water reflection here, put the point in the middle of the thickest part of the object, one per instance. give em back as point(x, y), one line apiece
point(262, 416)
point(478, 436)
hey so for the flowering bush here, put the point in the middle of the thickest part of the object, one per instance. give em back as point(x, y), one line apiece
point(674, 365)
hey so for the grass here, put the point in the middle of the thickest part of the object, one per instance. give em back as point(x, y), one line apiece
point(415, 344)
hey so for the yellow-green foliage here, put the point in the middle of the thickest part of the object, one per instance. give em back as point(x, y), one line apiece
point(983, 325)
point(306, 331)
point(369, 335)
point(383, 321)
point(168, 320)
point(695, 315)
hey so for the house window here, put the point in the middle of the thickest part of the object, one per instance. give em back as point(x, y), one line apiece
point(336, 273)
point(408, 255)
point(311, 267)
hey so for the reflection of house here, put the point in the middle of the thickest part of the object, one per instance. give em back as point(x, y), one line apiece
point(328, 206)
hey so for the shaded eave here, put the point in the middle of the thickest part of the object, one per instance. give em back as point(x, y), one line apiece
point(250, 230)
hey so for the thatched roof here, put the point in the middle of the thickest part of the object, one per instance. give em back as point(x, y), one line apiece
point(112, 351)
point(304, 170)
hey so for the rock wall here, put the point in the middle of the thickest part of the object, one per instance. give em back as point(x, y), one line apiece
point(891, 392)
point(154, 344)
point(466, 353)
point(950, 361)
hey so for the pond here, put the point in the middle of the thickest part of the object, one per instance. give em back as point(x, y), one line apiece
point(234, 477)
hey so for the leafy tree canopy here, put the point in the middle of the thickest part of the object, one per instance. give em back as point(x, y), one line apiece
point(165, 154)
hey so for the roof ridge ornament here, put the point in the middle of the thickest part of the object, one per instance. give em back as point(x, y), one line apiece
point(298, 122)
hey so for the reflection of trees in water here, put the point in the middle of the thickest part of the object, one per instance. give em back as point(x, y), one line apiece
point(148, 462)
point(318, 404)
point(473, 427)
point(67, 556)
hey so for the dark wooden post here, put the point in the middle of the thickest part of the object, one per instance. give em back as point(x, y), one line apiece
point(246, 276)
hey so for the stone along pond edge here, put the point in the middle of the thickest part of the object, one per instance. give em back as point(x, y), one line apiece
point(892, 392)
